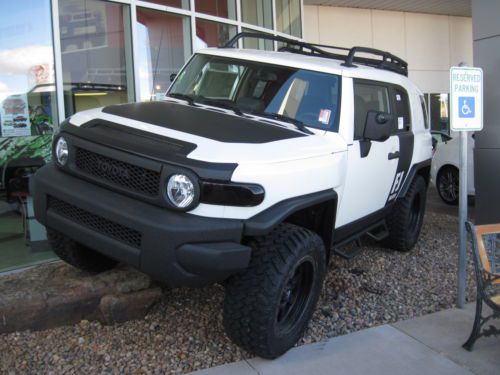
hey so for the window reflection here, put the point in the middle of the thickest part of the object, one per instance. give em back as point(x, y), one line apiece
point(96, 54)
point(219, 8)
point(27, 115)
point(288, 17)
point(164, 46)
point(184, 4)
point(257, 12)
point(212, 34)
point(439, 112)
point(254, 43)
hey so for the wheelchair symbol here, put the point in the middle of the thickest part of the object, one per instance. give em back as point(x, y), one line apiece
point(467, 107)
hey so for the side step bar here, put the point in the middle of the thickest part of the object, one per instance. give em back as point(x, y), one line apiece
point(378, 232)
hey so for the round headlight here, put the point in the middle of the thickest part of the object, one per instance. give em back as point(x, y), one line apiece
point(62, 151)
point(180, 190)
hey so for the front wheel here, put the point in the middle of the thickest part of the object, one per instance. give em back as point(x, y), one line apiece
point(406, 218)
point(447, 183)
point(268, 305)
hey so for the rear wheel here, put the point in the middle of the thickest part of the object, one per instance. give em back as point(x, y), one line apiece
point(268, 305)
point(77, 255)
point(407, 216)
point(447, 185)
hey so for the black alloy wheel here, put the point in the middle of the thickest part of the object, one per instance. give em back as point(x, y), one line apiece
point(447, 185)
point(295, 296)
point(268, 306)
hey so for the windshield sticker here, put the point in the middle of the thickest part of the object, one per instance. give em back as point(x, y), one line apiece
point(398, 97)
point(324, 116)
point(401, 123)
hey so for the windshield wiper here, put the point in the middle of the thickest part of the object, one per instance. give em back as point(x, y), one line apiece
point(219, 103)
point(185, 97)
point(298, 124)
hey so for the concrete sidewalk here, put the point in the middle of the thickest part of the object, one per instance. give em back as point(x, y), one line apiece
point(431, 344)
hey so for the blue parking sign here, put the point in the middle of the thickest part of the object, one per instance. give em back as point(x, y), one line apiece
point(466, 107)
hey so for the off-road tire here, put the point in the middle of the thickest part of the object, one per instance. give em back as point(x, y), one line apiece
point(77, 255)
point(443, 178)
point(256, 297)
point(406, 218)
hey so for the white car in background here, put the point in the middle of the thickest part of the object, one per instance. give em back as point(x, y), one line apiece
point(445, 165)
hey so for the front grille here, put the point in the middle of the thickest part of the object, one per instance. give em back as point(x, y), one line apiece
point(117, 172)
point(97, 223)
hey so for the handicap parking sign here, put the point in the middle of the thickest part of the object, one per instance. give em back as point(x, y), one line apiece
point(466, 99)
point(466, 106)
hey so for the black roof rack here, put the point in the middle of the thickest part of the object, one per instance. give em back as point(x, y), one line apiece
point(388, 61)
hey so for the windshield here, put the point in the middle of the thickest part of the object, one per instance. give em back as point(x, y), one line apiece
point(288, 94)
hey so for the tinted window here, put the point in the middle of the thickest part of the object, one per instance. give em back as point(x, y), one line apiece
point(368, 97)
point(402, 109)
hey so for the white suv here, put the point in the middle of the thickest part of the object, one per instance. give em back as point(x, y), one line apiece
point(256, 167)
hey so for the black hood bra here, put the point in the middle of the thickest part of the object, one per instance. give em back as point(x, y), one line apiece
point(211, 124)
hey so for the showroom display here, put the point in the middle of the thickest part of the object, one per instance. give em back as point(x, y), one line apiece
point(253, 170)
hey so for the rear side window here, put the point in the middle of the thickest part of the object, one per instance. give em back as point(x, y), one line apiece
point(424, 112)
point(368, 97)
point(402, 108)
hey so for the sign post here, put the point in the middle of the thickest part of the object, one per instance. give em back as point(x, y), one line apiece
point(466, 91)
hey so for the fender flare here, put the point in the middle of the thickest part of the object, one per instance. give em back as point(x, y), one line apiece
point(265, 221)
point(411, 175)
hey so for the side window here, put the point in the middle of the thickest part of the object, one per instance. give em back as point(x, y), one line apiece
point(368, 97)
point(424, 112)
point(402, 108)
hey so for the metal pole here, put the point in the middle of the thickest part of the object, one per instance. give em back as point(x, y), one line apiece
point(462, 189)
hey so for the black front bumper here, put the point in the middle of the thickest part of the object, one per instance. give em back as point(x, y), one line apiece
point(176, 248)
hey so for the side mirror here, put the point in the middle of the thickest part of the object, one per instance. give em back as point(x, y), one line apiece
point(378, 126)
point(172, 77)
point(434, 143)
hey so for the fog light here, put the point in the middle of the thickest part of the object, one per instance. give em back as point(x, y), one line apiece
point(180, 190)
point(62, 151)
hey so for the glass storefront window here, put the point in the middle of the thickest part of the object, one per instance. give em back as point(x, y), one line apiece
point(257, 12)
point(164, 42)
point(96, 54)
point(253, 43)
point(212, 34)
point(28, 112)
point(288, 17)
point(184, 4)
point(219, 8)
point(439, 110)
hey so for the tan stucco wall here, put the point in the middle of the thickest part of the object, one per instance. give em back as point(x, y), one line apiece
point(430, 43)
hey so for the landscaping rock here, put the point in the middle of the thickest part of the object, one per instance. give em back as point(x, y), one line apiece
point(57, 294)
point(184, 332)
point(118, 308)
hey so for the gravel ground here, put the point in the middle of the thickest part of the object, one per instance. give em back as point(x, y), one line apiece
point(184, 331)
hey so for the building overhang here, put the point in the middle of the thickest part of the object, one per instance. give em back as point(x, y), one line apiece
point(452, 8)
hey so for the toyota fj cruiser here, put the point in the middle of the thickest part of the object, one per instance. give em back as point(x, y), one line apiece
point(255, 168)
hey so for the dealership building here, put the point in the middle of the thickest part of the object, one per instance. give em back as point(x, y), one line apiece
point(63, 56)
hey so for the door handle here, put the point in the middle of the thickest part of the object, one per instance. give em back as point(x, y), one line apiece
point(393, 155)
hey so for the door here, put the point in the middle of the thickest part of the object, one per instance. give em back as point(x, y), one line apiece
point(370, 177)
